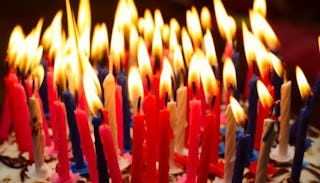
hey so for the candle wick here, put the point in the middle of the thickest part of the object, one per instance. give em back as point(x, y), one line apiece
point(194, 88)
point(76, 96)
point(33, 86)
point(166, 99)
point(213, 100)
point(59, 90)
point(148, 82)
point(157, 64)
point(245, 126)
point(139, 104)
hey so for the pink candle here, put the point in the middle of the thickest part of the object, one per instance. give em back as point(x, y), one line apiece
point(86, 144)
point(119, 116)
point(194, 140)
point(164, 145)
point(137, 148)
point(62, 142)
point(44, 120)
point(263, 113)
point(151, 113)
point(109, 152)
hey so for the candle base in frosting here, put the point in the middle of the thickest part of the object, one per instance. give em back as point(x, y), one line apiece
point(282, 158)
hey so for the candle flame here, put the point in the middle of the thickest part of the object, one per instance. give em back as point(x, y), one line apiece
point(84, 26)
point(229, 74)
point(117, 47)
point(165, 79)
point(264, 95)
point(175, 26)
point(209, 83)
point(319, 42)
point(56, 35)
point(210, 48)
point(277, 64)
point(260, 6)
point(226, 24)
point(303, 84)
point(249, 41)
point(148, 26)
point(123, 18)
point(237, 111)
point(262, 29)
point(59, 76)
point(15, 44)
point(157, 44)
point(187, 46)
point(205, 18)
point(135, 86)
point(173, 41)
point(100, 42)
point(143, 60)
point(178, 59)
point(158, 20)
point(193, 26)
point(263, 60)
point(133, 44)
point(165, 32)
point(37, 75)
point(194, 70)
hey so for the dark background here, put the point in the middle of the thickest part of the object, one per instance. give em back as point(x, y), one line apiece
point(296, 23)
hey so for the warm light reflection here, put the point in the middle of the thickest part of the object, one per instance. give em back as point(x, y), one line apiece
point(264, 96)
point(208, 80)
point(277, 64)
point(229, 74)
point(205, 18)
point(260, 6)
point(91, 90)
point(303, 84)
point(238, 111)
point(165, 79)
point(262, 29)
point(117, 48)
point(143, 60)
point(135, 87)
point(210, 48)
point(100, 43)
point(84, 26)
point(186, 46)
point(157, 44)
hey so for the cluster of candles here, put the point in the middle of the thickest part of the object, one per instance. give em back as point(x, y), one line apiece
point(138, 81)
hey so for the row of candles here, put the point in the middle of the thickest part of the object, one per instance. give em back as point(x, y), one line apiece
point(159, 71)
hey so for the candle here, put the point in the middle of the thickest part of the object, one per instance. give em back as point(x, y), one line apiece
point(38, 139)
point(242, 159)
point(266, 143)
point(86, 144)
point(78, 165)
point(277, 81)
point(43, 90)
point(230, 147)
point(171, 107)
point(180, 124)
point(109, 151)
point(216, 127)
point(229, 78)
point(136, 93)
point(119, 116)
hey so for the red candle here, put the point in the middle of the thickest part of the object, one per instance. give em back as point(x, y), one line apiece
point(194, 140)
point(86, 144)
point(62, 142)
point(216, 128)
point(150, 110)
point(44, 120)
point(137, 148)
point(5, 122)
point(109, 151)
point(119, 116)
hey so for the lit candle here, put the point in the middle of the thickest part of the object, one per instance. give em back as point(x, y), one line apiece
point(119, 117)
point(194, 27)
point(136, 94)
point(276, 81)
point(229, 79)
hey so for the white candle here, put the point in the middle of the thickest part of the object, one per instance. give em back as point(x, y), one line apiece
point(110, 104)
point(171, 106)
point(181, 122)
point(230, 145)
point(285, 104)
point(266, 143)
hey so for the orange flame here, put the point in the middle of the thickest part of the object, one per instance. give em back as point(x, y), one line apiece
point(237, 111)
point(135, 87)
point(117, 47)
point(277, 64)
point(303, 84)
point(157, 44)
point(143, 60)
point(100, 42)
point(208, 80)
point(229, 74)
point(84, 26)
point(260, 6)
point(264, 95)
point(210, 48)
point(205, 18)
point(187, 46)
point(165, 79)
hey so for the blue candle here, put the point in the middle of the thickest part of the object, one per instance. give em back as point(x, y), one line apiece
point(122, 80)
point(235, 59)
point(101, 161)
point(43, 90)
point(301, 132)
point(242, 158)
point(102, 73)
point(252, 111)
point(78, 166)
point(277, 82)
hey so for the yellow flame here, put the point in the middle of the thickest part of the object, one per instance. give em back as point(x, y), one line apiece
point(319, 42)
point(262, 29)
point(263, 60)
point(135, 87)
point(133, 11)
point(117, 47)
point(210, 48)
point(209, 83)
point(229, 74)
point(91, 90)
point(249, 41)
point(186, 46)
point(205, 18)
point(178, 59)
point(56, 38)
point(58, 72)
point(237, 111)
point(260, 6)
point(303, 84)
point(165, 32)
point(173, 41)
point(71, 69)
point(264, 95)
point(158, 20)
point(148, 26)
point(15, 44)
point(143, 60)
point(84, 26)
point(157, 44)
point(193, 26)
point(194, 70)
point(37, 75)
point(174, 25)
point(277, 64)
point(100, 42)
point(133, 44)
point(226, 24)
point(165, 79)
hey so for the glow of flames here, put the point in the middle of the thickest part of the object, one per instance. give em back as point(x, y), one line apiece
point(264, 95)
point(277, 64)
point(165, 33)
point(263, 60)
point(237, 111)
point(194, 71)
point(133, 45)
point(117, 47)
point(158, 20)
point(205, 18)
point(194, 26)
point(148, 26)
point(175, 26)
point(84, 26)
point(165, 79)
point(178, 59)
point(157, 44)
point(303, 84)
point(209, 83)
point(143, 60)
point(37, 75)
point(210, 48)
point(260, 6)
point(262, 29)
point(186, 46)
point(135, 87)
point(100, 42)
point(249, 44)
point(173, 41)
point(229, 74)
point(15, 44)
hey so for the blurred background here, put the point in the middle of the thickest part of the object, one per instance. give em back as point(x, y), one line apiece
point(296, 23)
